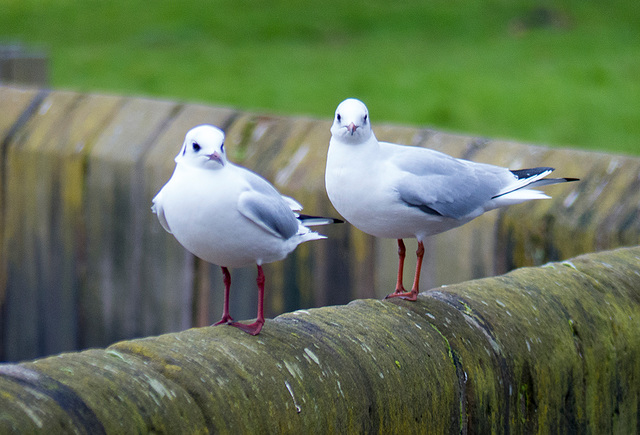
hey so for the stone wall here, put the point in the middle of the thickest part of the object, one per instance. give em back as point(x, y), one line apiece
point(85, 263)
point(552, 349)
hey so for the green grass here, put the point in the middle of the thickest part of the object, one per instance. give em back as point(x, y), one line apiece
point(494, 68)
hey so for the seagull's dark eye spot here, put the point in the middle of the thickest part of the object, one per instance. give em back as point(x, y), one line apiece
point(365, 118)
point(222, 148)
point(196, 147)
point(338, 117)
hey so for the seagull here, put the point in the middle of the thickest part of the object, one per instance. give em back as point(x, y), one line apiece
point(228, 215)
point(398, 191)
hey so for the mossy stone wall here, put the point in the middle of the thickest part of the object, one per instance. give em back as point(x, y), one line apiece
point(85, 263)
point(552, 349)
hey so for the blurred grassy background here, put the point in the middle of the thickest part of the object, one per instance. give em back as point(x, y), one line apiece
point(561, 72)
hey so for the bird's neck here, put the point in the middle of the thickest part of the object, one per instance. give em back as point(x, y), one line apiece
point(187, 167)
point(369, 145)
point(350, 158)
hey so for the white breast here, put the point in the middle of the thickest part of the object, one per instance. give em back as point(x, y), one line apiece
point(200, 206)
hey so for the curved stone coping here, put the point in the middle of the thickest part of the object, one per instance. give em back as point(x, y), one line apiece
point(551, 349)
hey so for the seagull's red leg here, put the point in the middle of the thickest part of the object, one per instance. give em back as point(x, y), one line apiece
point(416, 280)
point(413, 294)
point(401, 254)
point(255, 327)
point(226, 317)
point(399, 287)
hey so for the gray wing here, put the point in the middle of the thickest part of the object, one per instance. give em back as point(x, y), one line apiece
point(439, 184)
point(265, 207)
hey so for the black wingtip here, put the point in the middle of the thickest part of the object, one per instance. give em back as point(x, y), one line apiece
point(318, 220)
point(333, 220)
point(531, 172)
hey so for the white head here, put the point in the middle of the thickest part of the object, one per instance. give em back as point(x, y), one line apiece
point(351, 123)
point(203, 147)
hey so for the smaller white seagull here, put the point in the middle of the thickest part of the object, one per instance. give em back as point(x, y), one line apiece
point(398, 191)
point(228, 215)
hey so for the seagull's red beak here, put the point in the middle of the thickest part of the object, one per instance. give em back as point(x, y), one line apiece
point(351, 128)
point(216, 157)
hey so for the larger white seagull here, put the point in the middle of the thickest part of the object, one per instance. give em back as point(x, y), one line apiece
point(396, 191)
point(228, 215)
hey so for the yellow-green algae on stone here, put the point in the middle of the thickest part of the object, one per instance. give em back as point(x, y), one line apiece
point(565, 334)
point(332, 369)
point(548, 349)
